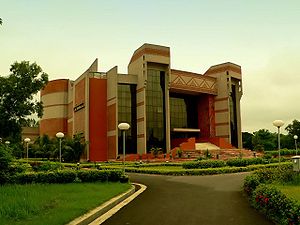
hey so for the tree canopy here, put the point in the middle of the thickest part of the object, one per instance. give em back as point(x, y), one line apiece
point(17, 92)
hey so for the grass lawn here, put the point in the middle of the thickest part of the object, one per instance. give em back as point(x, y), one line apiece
point(55, 204)
point(291, 189)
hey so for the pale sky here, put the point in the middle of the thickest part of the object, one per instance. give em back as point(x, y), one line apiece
point(263, 36)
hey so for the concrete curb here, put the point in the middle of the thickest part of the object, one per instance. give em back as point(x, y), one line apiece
point(107, 209)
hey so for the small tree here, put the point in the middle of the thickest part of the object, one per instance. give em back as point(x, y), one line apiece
point(44, 147)
point(73, 148)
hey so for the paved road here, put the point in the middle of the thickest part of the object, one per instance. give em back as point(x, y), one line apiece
point(189, 200)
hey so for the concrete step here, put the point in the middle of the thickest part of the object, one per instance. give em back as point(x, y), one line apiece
point(206, 146)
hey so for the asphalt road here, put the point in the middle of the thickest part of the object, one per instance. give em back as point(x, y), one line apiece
point(189, 200)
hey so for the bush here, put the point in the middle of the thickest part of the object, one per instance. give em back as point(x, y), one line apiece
point(204, 164)
point(5, 158)
point(272, 202)
point(63, 176)
point(268, 199)
point(246, 162)
point(99, 175)
point(38, 166)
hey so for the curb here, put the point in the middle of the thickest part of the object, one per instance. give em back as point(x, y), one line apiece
point(107, 209)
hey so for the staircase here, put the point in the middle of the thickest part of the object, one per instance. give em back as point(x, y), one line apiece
point(206, 146)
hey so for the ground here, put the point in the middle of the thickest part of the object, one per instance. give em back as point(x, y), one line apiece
point(190, 200)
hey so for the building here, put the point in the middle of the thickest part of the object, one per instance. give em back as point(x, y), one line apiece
point(164, 106)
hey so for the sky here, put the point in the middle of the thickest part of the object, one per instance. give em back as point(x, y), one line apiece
point(263, 36)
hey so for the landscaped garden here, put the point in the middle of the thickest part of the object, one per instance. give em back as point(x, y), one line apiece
point(275, 193)
point(49, 193)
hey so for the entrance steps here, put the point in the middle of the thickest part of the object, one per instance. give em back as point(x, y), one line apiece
point(206, 146)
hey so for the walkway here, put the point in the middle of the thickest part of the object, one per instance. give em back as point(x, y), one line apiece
point(189, 200)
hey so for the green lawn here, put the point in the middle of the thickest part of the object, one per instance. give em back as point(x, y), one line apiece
point(53, 204)
point(291, 189)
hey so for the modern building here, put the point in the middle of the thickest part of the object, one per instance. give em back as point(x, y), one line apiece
point(164, 106)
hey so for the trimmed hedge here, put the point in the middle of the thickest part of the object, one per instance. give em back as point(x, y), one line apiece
point(239, 162)
point(282, 152)
point(68, 176)
point(206, 171)
point(269, 199)
point(204, 164)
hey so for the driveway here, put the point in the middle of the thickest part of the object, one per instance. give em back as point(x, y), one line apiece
point(189, 200)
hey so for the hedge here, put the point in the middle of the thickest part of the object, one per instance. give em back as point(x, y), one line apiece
point(206, 171)
point(282, 152)
point(68, 176)
point(204, 164)
point(269, 199)
point(239, 162)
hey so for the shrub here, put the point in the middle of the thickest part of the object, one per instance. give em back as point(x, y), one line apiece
point(63, 176)
point(246, 162)
point(38, 166)
point(271, 201)
point(204, 164)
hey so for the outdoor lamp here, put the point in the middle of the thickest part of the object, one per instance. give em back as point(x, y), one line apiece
point(295, 138)
point(123, 127)
point(60, 135)
point(27, 140)
point(278, 124)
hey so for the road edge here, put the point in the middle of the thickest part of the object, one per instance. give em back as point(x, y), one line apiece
point(107, 209)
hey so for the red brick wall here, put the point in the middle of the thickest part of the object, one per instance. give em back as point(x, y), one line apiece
point(98, 120)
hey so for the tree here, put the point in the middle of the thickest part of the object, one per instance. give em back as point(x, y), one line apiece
point(247, 140)
point(0, 21)
point(73, 148)
point(44, 147)
point(17, 96)
point(264, 140)
point(293, 128)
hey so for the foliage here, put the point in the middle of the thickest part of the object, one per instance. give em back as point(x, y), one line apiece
point(276, 205)
point(263, 140)
point(156, 151)
point(246, 162)
point(282, 152)
point(73, 148)
point(247, 140)
point(293, 128)
point(45, 166)
point(5, 157)
point(268, 199)
point(204, 164)
point(179, 152)
point(67, 176)
point(0, 21)
point(16, 96)
point(44, 147)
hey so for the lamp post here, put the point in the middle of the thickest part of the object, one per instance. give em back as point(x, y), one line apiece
point(60, 135)
point(123, 127)
point(27, 140)
point(278, 124)
point(295, 138)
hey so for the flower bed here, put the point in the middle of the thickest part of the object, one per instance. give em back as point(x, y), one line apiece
point(268, 199)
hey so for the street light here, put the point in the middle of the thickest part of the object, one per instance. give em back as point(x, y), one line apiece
point(123, 127)
point(278, 124)
point(295, 138)
point(27, 140)
point(60, 135)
